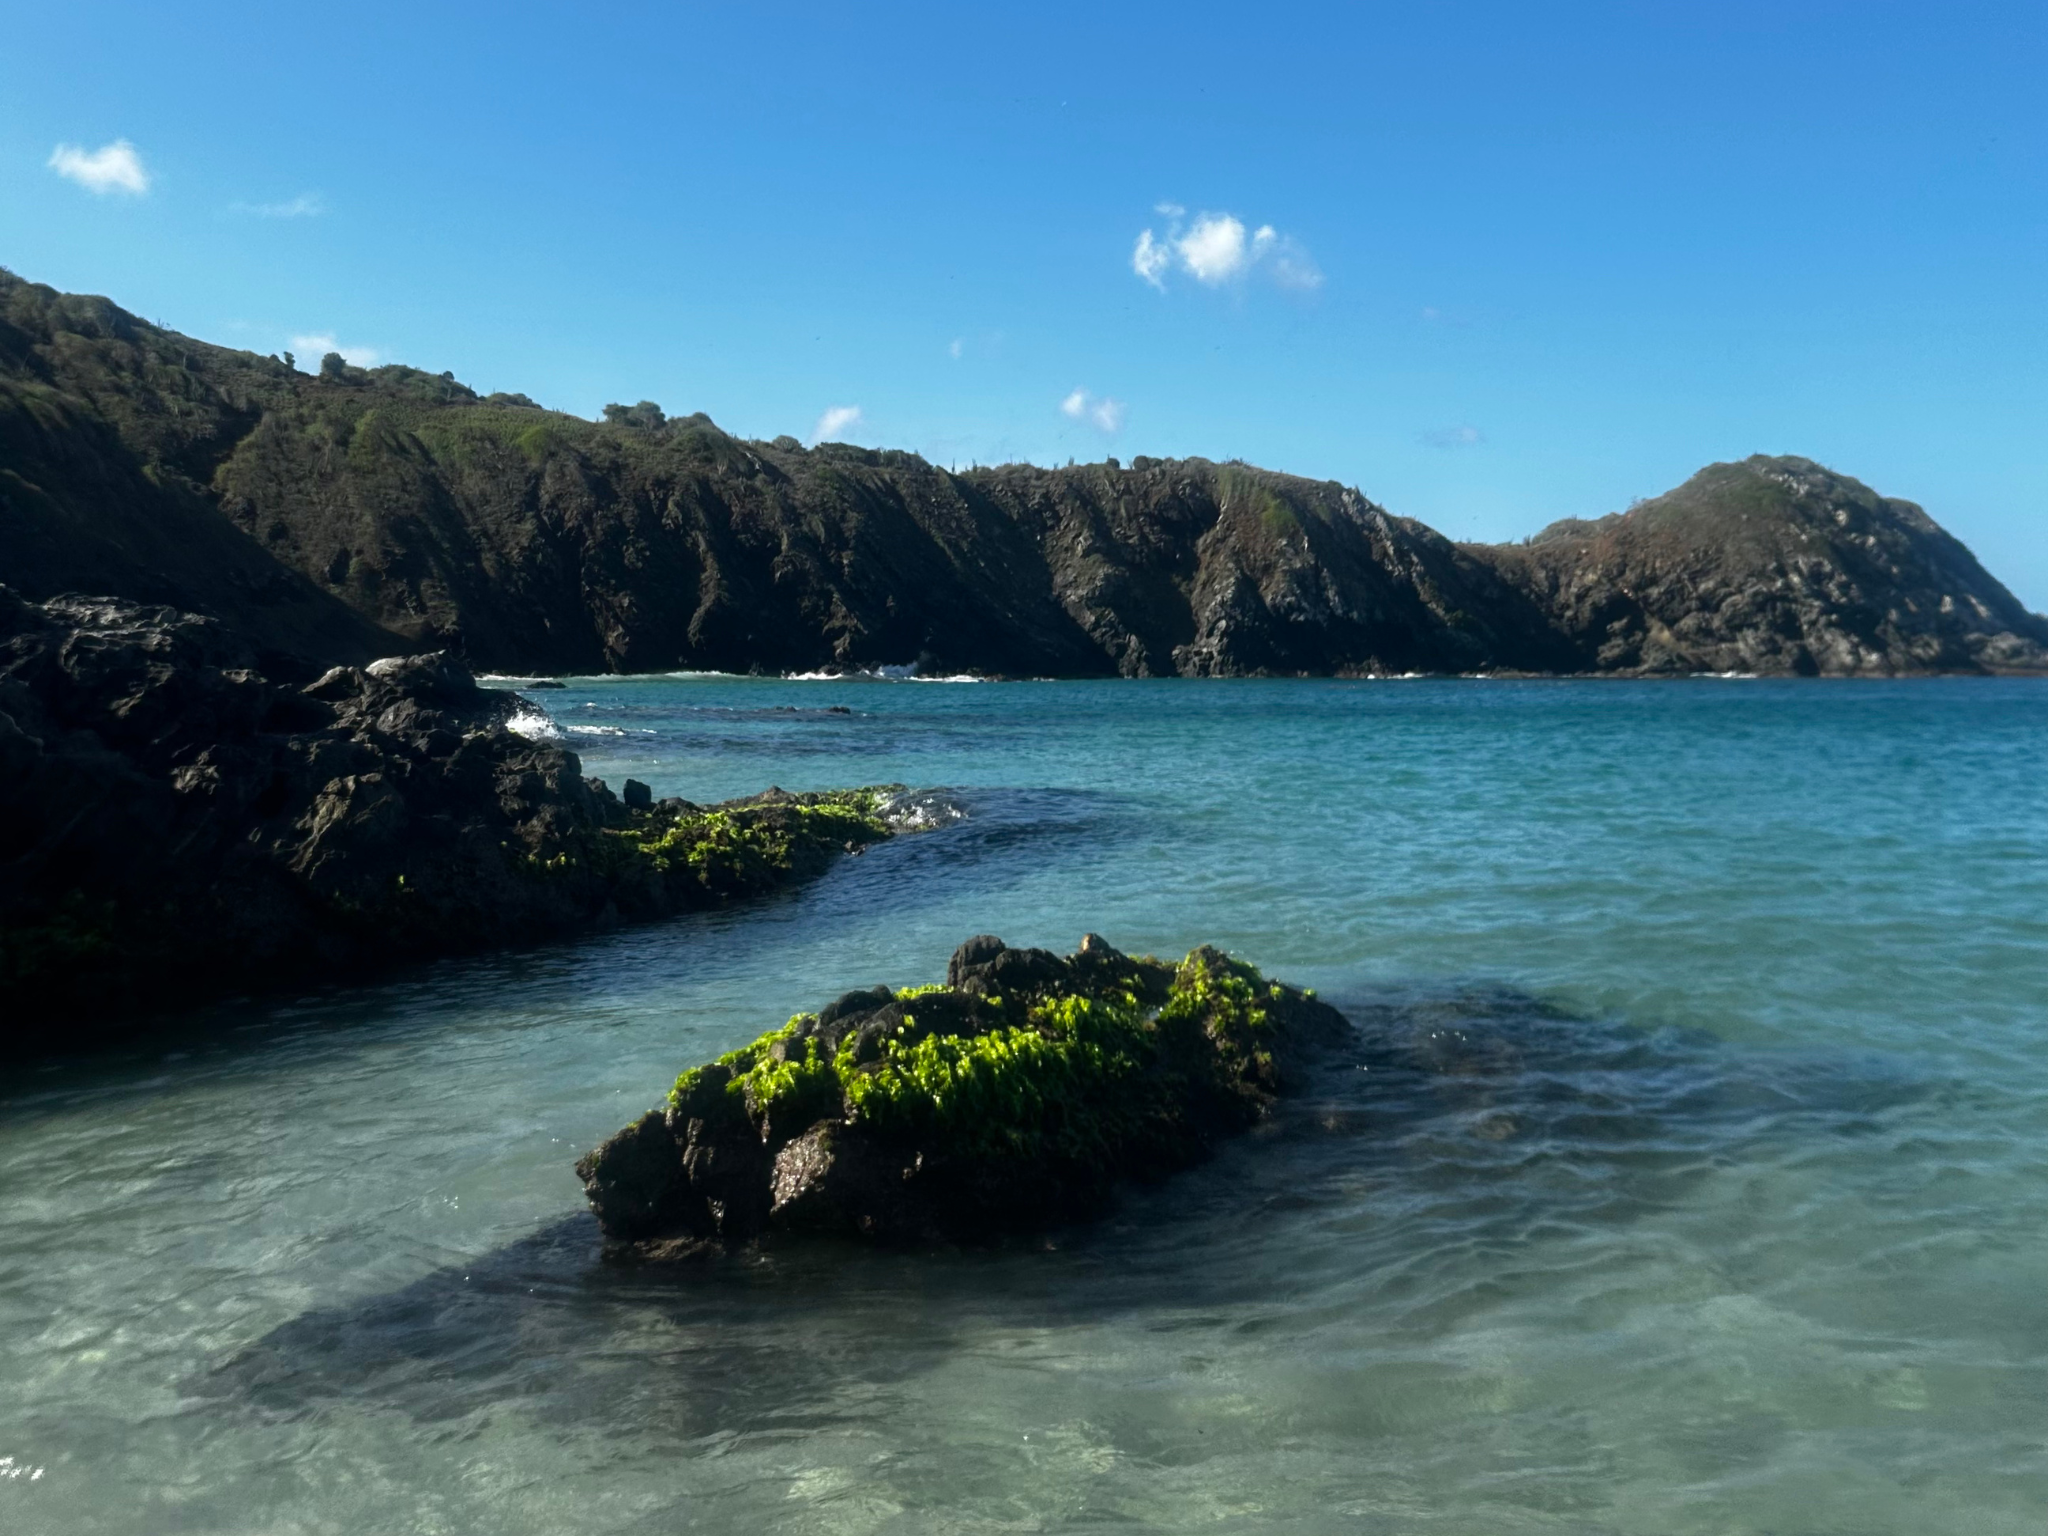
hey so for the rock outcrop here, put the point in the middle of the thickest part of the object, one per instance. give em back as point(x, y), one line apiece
point(340, 516)
point(1773, 565)
point(173, 823)
point(1016, 1096)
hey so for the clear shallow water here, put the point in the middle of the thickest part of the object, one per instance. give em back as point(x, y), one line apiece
point(1692, 1174)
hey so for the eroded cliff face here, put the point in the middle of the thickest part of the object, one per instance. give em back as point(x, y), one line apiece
point(340, 516)
point(1184, 567)
point(1772, 565)
point(539, 545)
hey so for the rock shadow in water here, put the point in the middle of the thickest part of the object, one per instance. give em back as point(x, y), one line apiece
point(1006, 836)
point(1416, 1177)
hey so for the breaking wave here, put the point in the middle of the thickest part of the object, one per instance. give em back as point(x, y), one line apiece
point(533, 722)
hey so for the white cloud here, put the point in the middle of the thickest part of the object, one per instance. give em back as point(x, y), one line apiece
point(959, 345)
point(837, 420)
point(310, 349)
point(114, 167)
point(307, 205)
point(1150, 259)
point(1453, 437)
point(1213, 251)
point(1217, 249)
point(1104, 414)
point(1170, 210)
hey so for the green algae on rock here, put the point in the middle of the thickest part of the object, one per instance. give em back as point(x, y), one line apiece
point(1016, 1095)
point(683, 854)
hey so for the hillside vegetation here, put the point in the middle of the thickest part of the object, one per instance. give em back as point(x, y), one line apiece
point(336, 516)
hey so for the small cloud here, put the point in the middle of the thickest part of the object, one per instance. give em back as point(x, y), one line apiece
point(114, 167)
point(317, 345)
point(1217, 249)
point(1431, 312)
point(307, 205)
point(1169, 210)
point(1214, 251)
point(1150, 259)
point(1452, 437)
point(1103, 413)
point(981, 345)
point(837, 420)
point(1292, 267)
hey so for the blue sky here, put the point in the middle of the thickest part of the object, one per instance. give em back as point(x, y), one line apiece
point(1493, 264)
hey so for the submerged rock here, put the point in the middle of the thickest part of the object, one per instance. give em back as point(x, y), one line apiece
point(1015, 1096)
point(174, 824)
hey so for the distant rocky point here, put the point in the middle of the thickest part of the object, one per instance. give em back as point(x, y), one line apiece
point(336, 517)
point(1774, 566)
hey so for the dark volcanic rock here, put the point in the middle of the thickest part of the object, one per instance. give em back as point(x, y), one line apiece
point(1772, 566)
point(1016, 1096)
point(173, 824)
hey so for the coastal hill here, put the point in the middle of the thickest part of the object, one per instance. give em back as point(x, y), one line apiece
point(334, 517)
point(1771, 565)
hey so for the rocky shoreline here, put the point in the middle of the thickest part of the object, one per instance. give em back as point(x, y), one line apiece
point(1016, 1096)
point(174, 825)
point(190, 806)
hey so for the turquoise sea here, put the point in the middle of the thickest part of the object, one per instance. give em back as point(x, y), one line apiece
point(1691, 1174)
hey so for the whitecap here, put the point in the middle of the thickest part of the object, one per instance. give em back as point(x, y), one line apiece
point(886, 673)
point(533, 722)
point(921, 810)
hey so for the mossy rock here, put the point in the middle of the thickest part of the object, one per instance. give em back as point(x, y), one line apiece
point(689, 853)
point(1016, 1095)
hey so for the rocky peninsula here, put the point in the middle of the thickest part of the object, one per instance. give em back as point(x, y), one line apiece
point(1013, 1097)
point(174, 824)
point(346, 513)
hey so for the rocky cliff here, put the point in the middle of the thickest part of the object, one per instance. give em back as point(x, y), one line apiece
point(173, 823)
point(339, 516)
